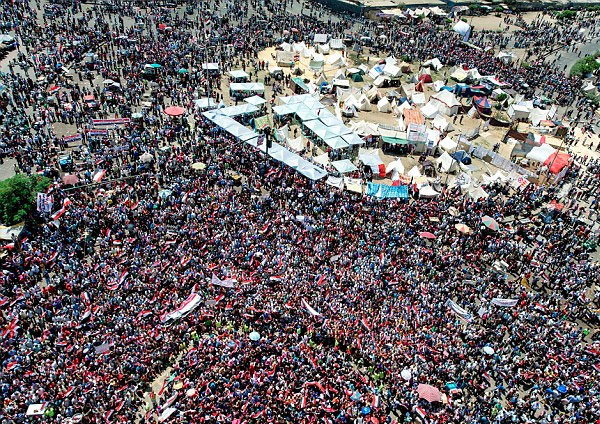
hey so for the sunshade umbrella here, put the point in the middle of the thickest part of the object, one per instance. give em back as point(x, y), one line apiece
point(254, 336)
point(108, 82)
point(198, 166)
point(70, 179)
point(463, 228)
point(146, 157)
point(174, 111)
point(406, 374)
point(155, 65)
point(482, 102)
point(136, 115)
point(427, 235)
point(183, 71)
point(453, 211)
point(429, 393)
point(490, 222)
point(488, 350)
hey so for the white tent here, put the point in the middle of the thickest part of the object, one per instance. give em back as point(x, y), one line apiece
point(320, 38)
point(379, 81)
point(392, 70)
point(284, 58)
point(441, 124)
point(418, 98)
point(414, 172)
point(344, 166)
point(317, 61)
point(236, 74)
point(429, 111)
point(395, 165)
point(322, 159)
point(437, 85)
point(350, 111)
point(320, 80)
point(336, 60)
point(427, 192)
point(517, 112)
point(448, 144)
point(462, 28)
point(446, 163)
point(286, 47)
point(298, 47)
point(476, 192)
point(364, 103)
point(369, 157)
point(459, 74)
point(383, 105)
point(373, 94)
point(445, 102)
point(352, 101)
point(434, 63)
point(507, 57)
point(537, 115)
point(323, 48)
point(376, 71)
point(541, 153)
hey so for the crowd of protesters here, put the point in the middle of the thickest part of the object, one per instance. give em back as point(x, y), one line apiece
point(311, 303)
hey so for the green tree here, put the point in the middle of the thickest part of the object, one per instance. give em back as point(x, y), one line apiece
point(18, 197)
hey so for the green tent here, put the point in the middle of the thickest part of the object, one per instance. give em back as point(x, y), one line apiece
point(394, 140)
point(357, 77)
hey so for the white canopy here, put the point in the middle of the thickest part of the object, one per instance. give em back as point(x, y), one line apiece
point(238, 74)
point(344, 166)
point(462, 28)
point(255, 100)
point(448, 144)
point(383, 105)
point(446, 163)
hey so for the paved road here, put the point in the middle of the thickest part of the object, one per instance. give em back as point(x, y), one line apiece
point(568, 58)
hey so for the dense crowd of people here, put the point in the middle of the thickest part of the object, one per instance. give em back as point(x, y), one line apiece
point(306, 302)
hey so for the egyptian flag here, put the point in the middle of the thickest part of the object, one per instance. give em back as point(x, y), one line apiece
point(303, 402)
point(365, 323)
point(99, 175)
point(375, 402)
point(421, 413)
point(87, 313)
point(265, 228)
point(107, 416)
point(119, 405)
point(162, 388)
point(68, 392)
point(12, 365)
point(11, 328)
point(123, 277)
point(321, 280)
point(52, 257)
point(144, 313)
point(62, 210)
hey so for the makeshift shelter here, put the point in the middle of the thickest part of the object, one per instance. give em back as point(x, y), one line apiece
point(392, 71)
point(441, 123)
point(364, 104)
point(384, 105)
point(427, 192)
point(426, 78)
point(336, 44)
point(317, 62)
point(344, 166)
point(463, 28)
point(459, 74)
point(445, 102)
point(323, 48)
point(408, 90)
point(429, 110)
point(446, 163)
point(507, 57)
point(336, 60)
point(418, 98)
point(448, 144)
point(517, 112)
point(373, 94)
point(238, 76)
point(434, 63)
point(283, 58)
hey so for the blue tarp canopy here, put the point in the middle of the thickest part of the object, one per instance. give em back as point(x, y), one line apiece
point(382, 191)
